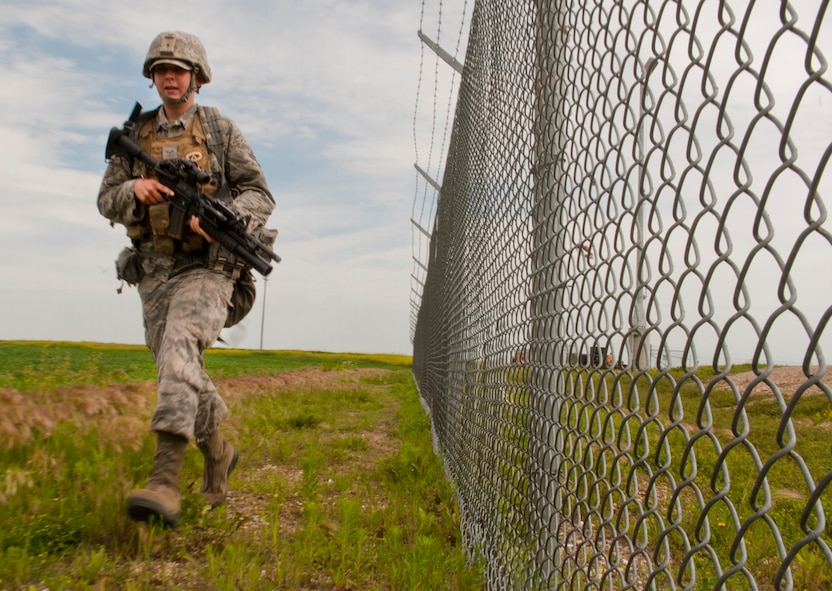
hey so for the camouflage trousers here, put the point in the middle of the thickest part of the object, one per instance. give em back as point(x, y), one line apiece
point(183, 316)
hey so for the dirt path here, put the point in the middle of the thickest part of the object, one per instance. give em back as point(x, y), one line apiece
point(787, 379)
point(121, 412)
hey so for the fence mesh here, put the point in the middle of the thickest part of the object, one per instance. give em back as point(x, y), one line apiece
point(621, 290)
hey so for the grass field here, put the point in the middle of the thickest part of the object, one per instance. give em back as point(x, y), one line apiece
point(337, 487)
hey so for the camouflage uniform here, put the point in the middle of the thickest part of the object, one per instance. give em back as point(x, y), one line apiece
point(184, 312)
point(187, 285)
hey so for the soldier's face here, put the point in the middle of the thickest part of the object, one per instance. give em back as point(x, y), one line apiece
point(171, 81)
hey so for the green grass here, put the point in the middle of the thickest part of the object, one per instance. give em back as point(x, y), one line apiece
point(46, 365)
point(337, 487)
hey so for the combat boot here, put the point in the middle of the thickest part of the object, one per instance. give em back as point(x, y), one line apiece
point(161, 497)
point(220, 459)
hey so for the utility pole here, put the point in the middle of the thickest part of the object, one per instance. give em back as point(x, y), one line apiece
point(263, 315)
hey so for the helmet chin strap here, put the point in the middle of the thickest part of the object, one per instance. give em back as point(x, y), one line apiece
point(192, 87)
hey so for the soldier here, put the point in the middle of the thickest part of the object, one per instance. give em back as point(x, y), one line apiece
point(186, 284)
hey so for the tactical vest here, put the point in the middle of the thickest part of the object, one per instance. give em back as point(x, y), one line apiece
point(193, 144)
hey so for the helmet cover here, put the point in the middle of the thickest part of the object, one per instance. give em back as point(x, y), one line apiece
point(179, 49)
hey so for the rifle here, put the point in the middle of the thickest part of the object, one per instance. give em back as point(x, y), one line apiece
point(183, 177)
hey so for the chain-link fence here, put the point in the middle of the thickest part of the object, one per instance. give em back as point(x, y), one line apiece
point(621, 289)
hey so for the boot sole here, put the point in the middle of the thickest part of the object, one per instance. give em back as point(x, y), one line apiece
point(146, 510)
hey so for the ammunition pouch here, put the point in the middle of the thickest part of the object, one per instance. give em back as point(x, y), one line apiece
point(129, 266)
point(171, 231)
point(222, 261)
point(159, 216)
point(242, 298)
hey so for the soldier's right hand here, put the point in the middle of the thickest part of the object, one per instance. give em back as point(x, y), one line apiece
point(150, 191)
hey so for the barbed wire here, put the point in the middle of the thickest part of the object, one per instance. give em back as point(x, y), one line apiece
point(425, 196)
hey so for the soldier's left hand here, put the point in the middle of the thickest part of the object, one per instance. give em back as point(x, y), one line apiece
point(194, 223)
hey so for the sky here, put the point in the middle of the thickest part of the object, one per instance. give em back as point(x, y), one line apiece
point(324, 91)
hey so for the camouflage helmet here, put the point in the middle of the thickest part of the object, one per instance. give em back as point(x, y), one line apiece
point(180, 49)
